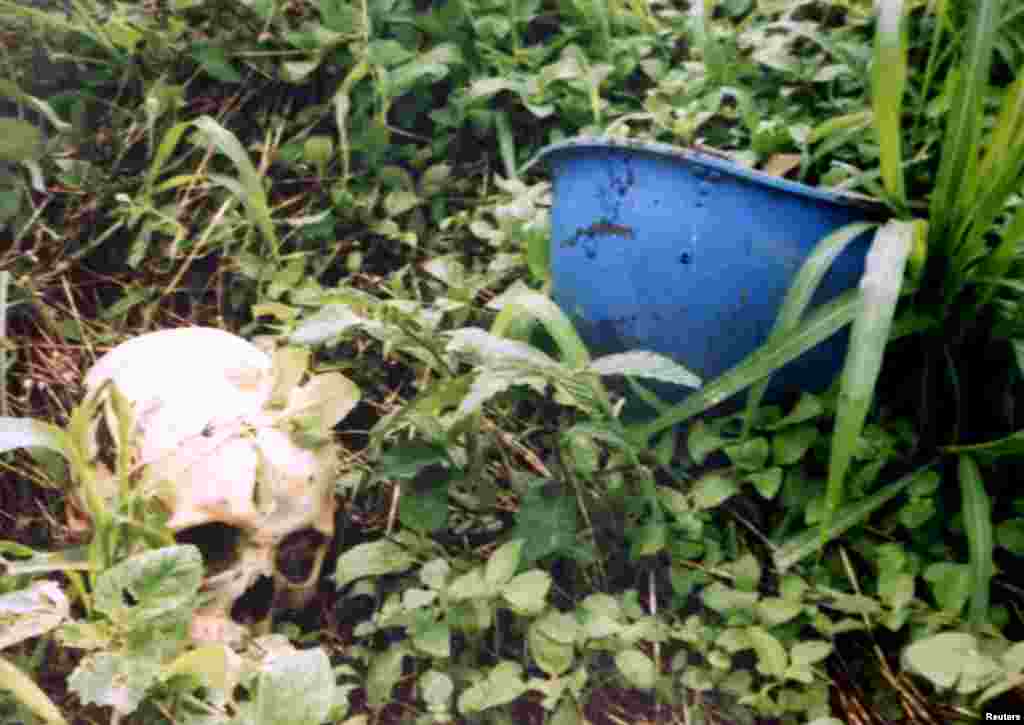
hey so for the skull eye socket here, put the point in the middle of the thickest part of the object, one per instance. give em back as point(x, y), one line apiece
point(298, 553)
point(255, 604)
point(218, 543)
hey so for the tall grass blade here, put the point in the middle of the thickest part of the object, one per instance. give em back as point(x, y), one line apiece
point(1000, 169)
point(997, 264)
point(163, 152)
point(255, 196)
point(963, 128)
point(880, 291)
point(5, 280)
point(977, 513)
point(85, 25)
point(888, 81)
point(810, 541)
point(798, 298)
point(821, 324)
point(519, 302)
point(936, 52)
point(506, 144)
point(28, 693)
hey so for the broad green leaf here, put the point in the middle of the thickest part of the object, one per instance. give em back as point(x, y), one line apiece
point(600, 603)
point(493, 350)
point(116, 680)
point(599, 625)
point(295, 689)
point(551, 641)
point(746, 572)
point(750, 454)
point(859, 604)
point(470, 585)
point(436, 689)
point(790, 444)
point(487, 87)
point(648, 539)
point(399, 201)
point(216, 666)
point(733, 640)
point(214, 60)
point(407, 460)
point(290, 366)
point(977, 516)
point(19, 141)
point(435, 640)
point(296, 71)
point(702, 440)
point(87, 635)
point(643, 364)
point(150, 585)
point(328, 398)
point(776, 610)
point(941, 658)
point(28, 693)
point(880, 291)
point(434, 573)
point(527, 593)
point(1010, 535)
point(373, 558)
point(503, 684)
point(810, 652)
point(11, 199)
point(82, 23)
point(950, 584)
point(28, 433)
point(31, 612)
point(567, 713)
point(502, 564)
point(807, 408)
point(772, 659)
point(767, 482)
point(725, 599)
point(637, 668)
point(792, 587)
point(896, 588)
point(385, 672)
point(424, 505)
point(712, 489)
point(10, 89)
point(488, 384)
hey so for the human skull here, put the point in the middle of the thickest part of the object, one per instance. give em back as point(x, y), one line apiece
point(217, 429)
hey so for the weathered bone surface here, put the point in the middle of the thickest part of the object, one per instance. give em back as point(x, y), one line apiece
point(214, 435)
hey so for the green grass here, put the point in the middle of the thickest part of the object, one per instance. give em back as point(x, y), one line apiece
point(352, 177)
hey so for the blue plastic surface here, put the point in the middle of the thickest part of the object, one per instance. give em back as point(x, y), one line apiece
point(664, 249)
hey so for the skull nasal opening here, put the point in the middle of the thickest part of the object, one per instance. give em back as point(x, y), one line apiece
point(255, 604)
point(297, 555)
point(218, 542)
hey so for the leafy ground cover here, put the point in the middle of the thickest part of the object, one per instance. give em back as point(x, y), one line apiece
point(349, 177)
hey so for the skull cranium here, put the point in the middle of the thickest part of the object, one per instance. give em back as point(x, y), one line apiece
point(216, 421)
